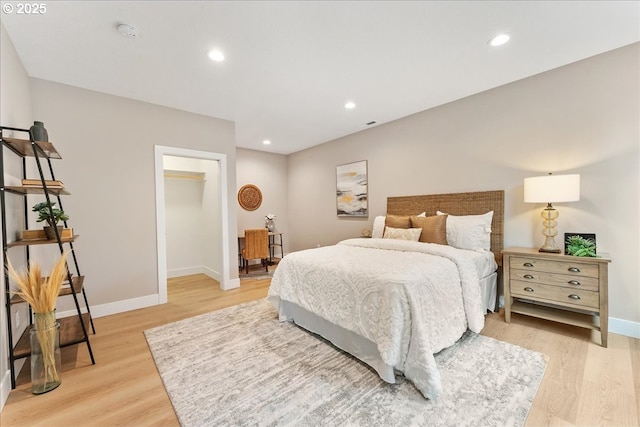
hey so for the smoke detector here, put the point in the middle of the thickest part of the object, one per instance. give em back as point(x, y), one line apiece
point(128, 30)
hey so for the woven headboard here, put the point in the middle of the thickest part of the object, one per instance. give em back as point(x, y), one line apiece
point(475, 203)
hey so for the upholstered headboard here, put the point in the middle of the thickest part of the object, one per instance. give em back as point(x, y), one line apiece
point(475, 203)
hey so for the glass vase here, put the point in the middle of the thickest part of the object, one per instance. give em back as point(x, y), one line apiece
point(45, 353)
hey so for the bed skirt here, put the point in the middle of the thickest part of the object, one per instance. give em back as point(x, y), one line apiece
point(354, 344)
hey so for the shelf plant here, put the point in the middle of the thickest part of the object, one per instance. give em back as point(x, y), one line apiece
point(51, 215)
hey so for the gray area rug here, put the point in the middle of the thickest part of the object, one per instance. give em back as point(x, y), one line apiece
point(257, 273)
point(241, 366)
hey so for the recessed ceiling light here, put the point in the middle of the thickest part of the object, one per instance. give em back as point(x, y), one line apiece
point(216, 55)
point(499, 40)
point(128, 30)
point(266, 142)
point(350, 105)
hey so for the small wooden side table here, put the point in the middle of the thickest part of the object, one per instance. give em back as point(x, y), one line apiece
point(561, 288)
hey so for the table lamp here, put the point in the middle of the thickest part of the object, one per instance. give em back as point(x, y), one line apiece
point(551, 189)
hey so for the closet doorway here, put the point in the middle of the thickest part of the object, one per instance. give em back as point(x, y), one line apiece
point(191, 215)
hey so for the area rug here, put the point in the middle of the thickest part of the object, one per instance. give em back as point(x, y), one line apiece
point(241, 366)
point(257, 273)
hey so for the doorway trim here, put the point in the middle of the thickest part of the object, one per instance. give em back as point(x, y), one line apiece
point(161, 241)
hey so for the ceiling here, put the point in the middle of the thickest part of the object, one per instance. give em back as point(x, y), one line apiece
point(291, 66)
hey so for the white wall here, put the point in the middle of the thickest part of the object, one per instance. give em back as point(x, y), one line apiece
point(268, 172)
point(15, 111)
point(193, 217)
point(212, 212)
point(107, 144)
point(582, 118)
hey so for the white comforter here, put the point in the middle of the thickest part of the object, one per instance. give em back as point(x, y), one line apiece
point(412, 299)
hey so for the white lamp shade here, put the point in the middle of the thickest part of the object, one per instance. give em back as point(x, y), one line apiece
point(552, 188)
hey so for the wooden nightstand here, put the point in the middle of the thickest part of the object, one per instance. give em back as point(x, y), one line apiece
point(562, 288)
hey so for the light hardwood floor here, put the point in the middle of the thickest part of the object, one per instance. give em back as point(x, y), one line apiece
point(584, 384)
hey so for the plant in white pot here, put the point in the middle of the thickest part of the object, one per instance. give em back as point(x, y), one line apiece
point(52, 216)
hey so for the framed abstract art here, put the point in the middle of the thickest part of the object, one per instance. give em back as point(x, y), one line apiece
point(352, 190)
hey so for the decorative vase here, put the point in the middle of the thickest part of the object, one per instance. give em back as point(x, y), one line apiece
point(50, 232)
point(38, 132)
point(45, 353)
point(271, 226)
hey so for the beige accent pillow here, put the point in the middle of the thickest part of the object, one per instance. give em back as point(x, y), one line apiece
point(412, 234)
point(434, 228)
point(398, 221)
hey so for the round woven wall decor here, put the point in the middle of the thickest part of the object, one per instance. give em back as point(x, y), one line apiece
point(250, 197)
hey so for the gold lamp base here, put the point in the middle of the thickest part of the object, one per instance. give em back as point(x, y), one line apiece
point(549, 215)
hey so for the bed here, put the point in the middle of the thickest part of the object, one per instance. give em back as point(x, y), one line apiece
point(394, 303)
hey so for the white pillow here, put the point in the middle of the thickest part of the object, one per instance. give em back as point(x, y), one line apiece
point(378, 225)
point(412, 234)
point(469, 231)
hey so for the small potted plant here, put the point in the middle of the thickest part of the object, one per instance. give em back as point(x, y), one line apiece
point(52, 216)
point(579, 246)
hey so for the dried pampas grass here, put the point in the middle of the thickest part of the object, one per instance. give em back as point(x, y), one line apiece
point(41, 293)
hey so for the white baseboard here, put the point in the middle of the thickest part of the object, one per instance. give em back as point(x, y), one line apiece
point(624, 327)
point(215, 275)
point(5, 385)
point(232, 284)
point(116, 307)
point(186, 271)
point(198, 269)
point(5, 388)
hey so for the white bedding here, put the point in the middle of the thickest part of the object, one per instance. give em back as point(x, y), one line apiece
point(411, 299)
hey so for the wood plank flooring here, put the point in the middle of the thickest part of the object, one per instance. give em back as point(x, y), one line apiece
point(584, 384)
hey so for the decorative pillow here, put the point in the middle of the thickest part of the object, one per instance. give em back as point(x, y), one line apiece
point(398, 221)
point(412, 234)
point(469, 231)
point(434, 228)
point(378, 227)
point(379, 224)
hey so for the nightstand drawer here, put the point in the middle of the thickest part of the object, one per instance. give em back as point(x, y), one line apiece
point(564, 280)
point(558, 295)
point(552, 266)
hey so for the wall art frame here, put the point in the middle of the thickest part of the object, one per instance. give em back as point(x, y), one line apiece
point(352, 190)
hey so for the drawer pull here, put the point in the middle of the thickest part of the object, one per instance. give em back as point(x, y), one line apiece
point(528, 289)
point(528, 276)
point(574, 296)
point(527, 264)
point(574, 269)
point(574, 282)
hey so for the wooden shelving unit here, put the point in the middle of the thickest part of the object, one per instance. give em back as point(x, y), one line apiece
point(41, 241)
point(71, 333)
point(36, 190)
point(74, 329)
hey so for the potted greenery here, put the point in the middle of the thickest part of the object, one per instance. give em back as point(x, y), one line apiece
point(579, 246)
point(52, 216)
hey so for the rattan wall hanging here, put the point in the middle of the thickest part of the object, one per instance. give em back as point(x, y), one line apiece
point(250, 197)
